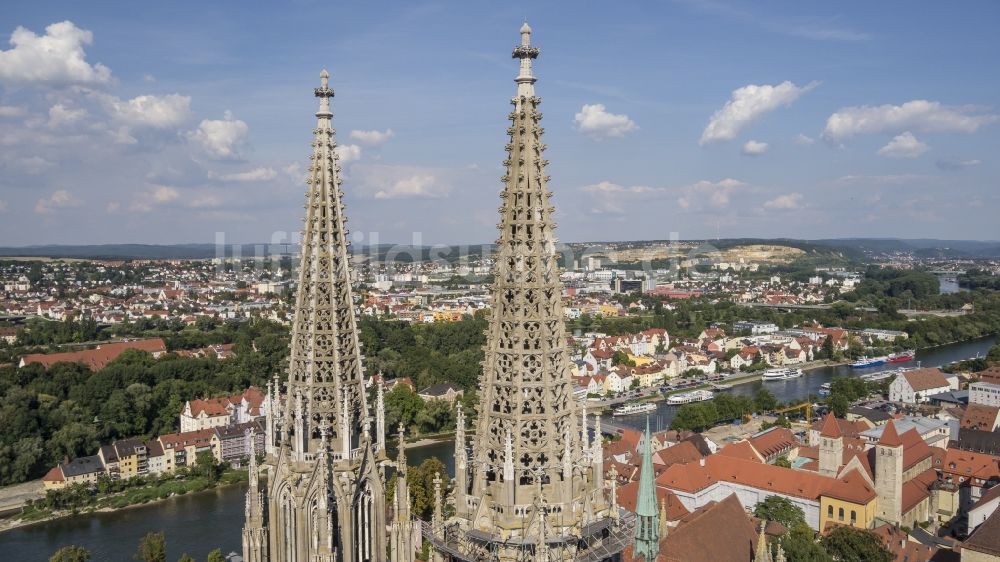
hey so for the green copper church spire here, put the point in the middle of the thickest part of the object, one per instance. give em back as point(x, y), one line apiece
point(647, 522)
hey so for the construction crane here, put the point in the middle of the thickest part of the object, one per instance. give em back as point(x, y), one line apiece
point(807, 406)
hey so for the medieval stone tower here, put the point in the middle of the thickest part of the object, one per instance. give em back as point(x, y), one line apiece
point(532, 488)
point(325, 484)
point(831, 447)
point(889, 474)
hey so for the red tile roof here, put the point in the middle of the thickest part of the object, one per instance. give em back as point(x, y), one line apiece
point(925, 378)
point(889, 436)
point(830, 427)
point(96, 359)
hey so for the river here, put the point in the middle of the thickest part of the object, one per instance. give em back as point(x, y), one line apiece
point(199, 523)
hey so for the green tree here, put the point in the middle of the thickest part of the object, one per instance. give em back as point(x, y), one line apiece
point(402, 406)
point(185, 558)
point(847, 544)
point(800, 545)
point(783, 462)
point(619, 357)
point(216, 556)
point(152, 548)
point(421, 482)
point(70, 554)
point(764, 400)
point(838, 404)
point(780, 509)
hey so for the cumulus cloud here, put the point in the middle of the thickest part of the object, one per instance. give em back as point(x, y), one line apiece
point(917, 115)
point(158, 112)
point(257, 174)
point(60, 115)
point(3, 206)
point(804, 140)
point(348, 153)
point(57, 57)
point(222, 139)
point(607, 187)
point(785, 202)
point(372, 138)
point(708, 194)
point(413, 186)
point(903, 146)
point(754, 148)
point(951, 164)
point(146, 201)
point(60, 199)
point(595, 121)
point(748, 104)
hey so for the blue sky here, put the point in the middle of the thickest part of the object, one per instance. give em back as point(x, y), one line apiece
point(175, 121)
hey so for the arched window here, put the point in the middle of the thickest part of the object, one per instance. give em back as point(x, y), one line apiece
point(829, 511)
point(840, 514)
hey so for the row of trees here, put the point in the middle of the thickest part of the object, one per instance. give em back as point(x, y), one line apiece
point(68, 410)
point(723, 408)
point(152, 548)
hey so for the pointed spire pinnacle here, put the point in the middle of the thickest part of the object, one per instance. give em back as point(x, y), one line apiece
point(526, 53)
point(438, 513)
point(762, 554)
point(890, 438)
point(830, 428)
point(324, 93)
point(647, 525)
point(401, 454)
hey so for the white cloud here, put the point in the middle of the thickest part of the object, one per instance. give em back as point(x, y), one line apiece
point(413, 186)
point(256, 174)
point(222, 139)
point(54, 58)
point(903, 146)
point(112, 207)
point(788, 202)
point(593, 120)
point(372, 138)
point(746, 105)
point(60, 199)
point(11, 111)
point(917, 115)
point(950, 164)
point(158, 112)
point(754, 148)
point(606, 187)
point(348, 153)
point(804, 140)
point(708, 194)
point(60, 115)
point(144, 202)
point(3, 206)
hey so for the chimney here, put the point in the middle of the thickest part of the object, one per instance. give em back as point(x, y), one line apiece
point(701, 461)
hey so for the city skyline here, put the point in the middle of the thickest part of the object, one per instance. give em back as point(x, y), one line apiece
point(700, 118)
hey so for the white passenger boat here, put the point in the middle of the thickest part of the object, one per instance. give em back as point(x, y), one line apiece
point(634, 408)
point(781, 374)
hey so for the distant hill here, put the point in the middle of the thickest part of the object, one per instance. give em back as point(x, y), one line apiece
point(921, 247)
point(851, 248)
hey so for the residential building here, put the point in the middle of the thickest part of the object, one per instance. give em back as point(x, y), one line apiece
point(181, 449)
point(81, 470)
point(218, 412)
point(234, 443)
point(985, 393)
point(442, 391)
point(915, 386)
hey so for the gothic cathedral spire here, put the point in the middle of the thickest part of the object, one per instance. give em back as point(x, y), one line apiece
point(325, 493)
point(531, 484)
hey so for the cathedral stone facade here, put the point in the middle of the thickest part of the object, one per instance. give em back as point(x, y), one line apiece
point(325, 495)
point(532, 488)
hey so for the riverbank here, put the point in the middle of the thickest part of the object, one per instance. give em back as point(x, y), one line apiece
point(151, 493)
